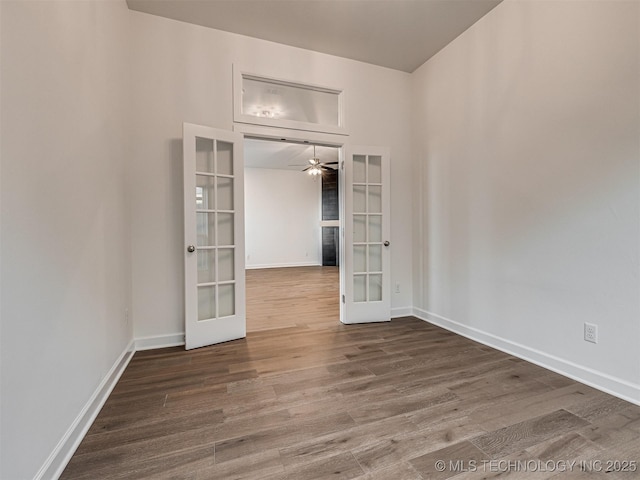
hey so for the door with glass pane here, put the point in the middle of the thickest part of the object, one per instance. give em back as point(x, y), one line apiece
point(367, 283)
point(214, 236)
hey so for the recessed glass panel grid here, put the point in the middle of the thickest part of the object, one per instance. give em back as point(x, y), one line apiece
point(360, 258)
point(205, 229)
point(359, 199)
point(374, 169)
point(206, 266)
point(359, 228)
point(374, 228)
point(215, 229)
point(360, 288)
point(375, 258)
point(206, 302)
point(225, 229)
point(224, 193)
point(367, 228)
point(204, 155)
point(205, 192)
point(226, 300)
point(226, 265)
point(374, 199)
point(206, 223)
point(375, 288)
point(359, 169)
point(224, 158)
point(199, 198)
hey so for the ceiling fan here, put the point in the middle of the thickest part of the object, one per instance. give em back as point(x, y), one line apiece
point(316, 167)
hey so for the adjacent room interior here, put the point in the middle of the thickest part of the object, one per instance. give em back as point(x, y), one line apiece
point(291, 229)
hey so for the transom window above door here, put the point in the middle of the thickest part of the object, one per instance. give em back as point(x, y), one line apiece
point(280, 103)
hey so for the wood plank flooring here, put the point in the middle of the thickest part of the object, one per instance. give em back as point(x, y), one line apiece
point(304, 397)
point(291, 297)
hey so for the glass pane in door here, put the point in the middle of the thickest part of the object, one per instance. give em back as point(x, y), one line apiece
point(205, 227)
point(359, 228)
point(206, 302)
point(375, 258)
point(225, 193)
point(359, 258)
point(374, 204)
point(224, 158)
point(359, 168)
point(227, 300)
point(360, 288)
point(375, 169)
point(225, 229)
point(215, 229)
point(375, 288)
point(226, 267)
point(205, 192)
point(375, 228)
point(359, 199)
point(367, 228)
point(204, 155)
point(206, 266)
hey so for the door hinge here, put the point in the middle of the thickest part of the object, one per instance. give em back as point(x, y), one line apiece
point(342, 165)
point(344, 299)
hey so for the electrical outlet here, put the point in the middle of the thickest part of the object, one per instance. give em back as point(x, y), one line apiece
point(590, 332)
point(397, 287)
point(126, 316)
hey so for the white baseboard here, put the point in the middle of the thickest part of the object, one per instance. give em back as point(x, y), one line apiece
point(607, 383)
point(66, 447)
point(159, 341)
point(283, 265)
point(401, 312)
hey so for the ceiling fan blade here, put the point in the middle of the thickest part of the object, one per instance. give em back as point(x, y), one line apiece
point(297, 165)
point(305, 169)
point(330, 163)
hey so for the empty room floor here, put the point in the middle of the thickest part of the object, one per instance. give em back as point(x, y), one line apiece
point(292, 296)
point(384, 401)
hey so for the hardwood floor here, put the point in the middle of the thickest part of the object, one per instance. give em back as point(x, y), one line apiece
point(304, 399)
point(294, 296)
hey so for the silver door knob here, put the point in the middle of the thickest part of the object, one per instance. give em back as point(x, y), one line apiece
point(191, 249)
point(386, 243)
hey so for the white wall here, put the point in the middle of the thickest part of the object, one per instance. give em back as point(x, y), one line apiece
point(183, 73)
point(65, 227)
point(527, 128)
point(282, 218)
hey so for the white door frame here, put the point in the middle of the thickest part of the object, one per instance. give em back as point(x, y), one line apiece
point(303, 136)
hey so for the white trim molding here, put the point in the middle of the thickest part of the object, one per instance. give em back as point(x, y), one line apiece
point(283, 265)
point(399, 312)
point(68, 444)
point(607, 383)
point(159, 341)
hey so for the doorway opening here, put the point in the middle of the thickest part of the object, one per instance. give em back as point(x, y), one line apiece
point(292, 241)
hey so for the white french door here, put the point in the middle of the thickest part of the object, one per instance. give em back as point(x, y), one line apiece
point(214, 236)
point(366, 276)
